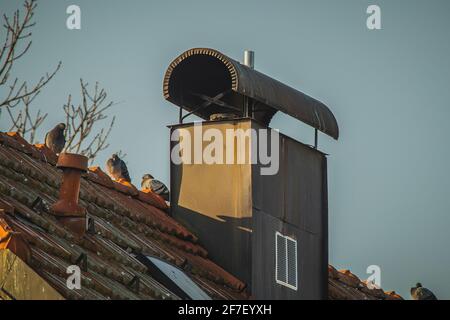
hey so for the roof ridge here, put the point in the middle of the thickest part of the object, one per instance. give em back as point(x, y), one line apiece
point(43, 153)
point(353, 282)
point(96, 175)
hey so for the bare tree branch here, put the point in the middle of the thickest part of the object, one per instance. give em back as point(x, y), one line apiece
point(82, 134)
point(23, 122)
point(81, 122)
point(121, 154)
point(17, 32)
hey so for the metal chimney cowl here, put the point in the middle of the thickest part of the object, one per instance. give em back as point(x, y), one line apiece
point(66, 209)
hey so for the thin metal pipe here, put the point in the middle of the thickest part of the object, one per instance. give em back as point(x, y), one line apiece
point(316, 138)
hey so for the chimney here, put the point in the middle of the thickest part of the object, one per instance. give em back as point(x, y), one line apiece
point(269, 228)
point(66, 209)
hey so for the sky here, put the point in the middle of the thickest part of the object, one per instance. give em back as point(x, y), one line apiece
point(389, 181)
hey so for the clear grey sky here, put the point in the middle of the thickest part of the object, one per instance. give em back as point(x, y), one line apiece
point(389, 181)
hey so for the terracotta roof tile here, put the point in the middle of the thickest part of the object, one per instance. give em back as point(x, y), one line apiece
point(13, 240)
point(344, 285)
point(345, 276)
point(392, 295)
point(126, 188)
point(153, 199)
point(6, 207)
point(373, 291)
point(27, 148)
point(47, 154)
point(97, 175)
point(126, 222)
point(332, 272)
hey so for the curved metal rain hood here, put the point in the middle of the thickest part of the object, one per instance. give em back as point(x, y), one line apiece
point(204, 82)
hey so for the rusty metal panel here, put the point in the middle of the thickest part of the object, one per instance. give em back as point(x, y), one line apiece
point(214, 202)
point(210, 72)
point(235, 212)
point(312, 278)
point(303, 186)
point(296, 188)
point(294, 203)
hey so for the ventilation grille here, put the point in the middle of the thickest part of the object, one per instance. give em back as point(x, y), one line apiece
point(286, 261)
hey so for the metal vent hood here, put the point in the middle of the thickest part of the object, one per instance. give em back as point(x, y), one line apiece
point(204, 82)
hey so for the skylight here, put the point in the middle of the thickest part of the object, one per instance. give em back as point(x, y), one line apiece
point(180, 279)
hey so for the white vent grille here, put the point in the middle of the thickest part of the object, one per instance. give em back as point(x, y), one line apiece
point(286, 261)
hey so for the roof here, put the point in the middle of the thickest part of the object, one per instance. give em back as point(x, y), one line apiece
point(344, 285)
point(209, 74)
point(126, 221)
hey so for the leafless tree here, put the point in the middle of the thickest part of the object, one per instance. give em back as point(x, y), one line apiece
point(16, 43)
point(18, 33)
point(82, 133)
point(23, 122)
point(121, 154)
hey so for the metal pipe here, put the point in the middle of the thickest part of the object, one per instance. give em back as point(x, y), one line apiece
point(316, 138)
point(249, 59)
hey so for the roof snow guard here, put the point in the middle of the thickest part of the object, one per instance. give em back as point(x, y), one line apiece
point(204, 81)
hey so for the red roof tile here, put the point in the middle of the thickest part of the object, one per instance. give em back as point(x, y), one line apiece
point(344, 285)
point(126, 221)
point(148, 196)
point(95, 174)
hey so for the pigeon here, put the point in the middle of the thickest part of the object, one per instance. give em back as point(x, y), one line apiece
point(117, 169)
point(55, 139)
point(420, 293)
point(148, 182)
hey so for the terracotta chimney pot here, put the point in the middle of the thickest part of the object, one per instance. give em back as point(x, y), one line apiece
point(66, 209)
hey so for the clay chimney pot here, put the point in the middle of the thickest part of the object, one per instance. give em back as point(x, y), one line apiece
point(66, 209)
